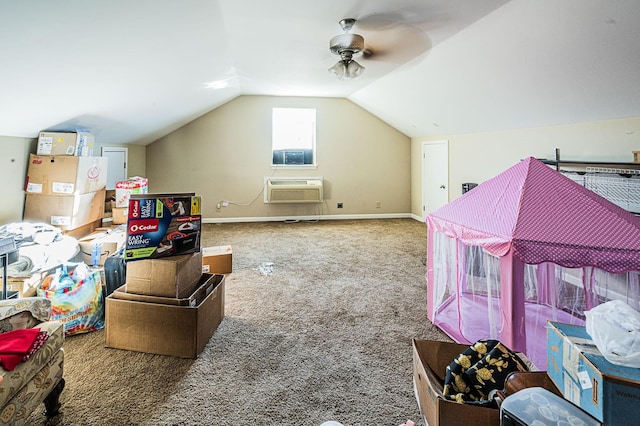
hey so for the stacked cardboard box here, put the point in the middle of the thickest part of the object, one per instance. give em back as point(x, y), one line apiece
point(65, 191)
point(217, 260)
point(167, 307)
point(77, 142)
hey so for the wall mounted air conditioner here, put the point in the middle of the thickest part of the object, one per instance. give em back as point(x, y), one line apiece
point(293, 190)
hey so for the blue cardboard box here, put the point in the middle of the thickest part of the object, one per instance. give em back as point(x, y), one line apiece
point(609, 392)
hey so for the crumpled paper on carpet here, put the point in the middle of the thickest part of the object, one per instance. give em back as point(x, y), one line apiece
point(266, 268)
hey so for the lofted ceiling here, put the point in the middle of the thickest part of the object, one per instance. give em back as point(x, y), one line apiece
point(133, 71)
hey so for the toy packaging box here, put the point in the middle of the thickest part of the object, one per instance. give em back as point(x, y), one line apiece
point(160, 225)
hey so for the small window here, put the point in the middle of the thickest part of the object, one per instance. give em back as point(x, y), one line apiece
point(293, 141)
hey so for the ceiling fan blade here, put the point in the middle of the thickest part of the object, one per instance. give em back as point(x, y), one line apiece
point(396, 45)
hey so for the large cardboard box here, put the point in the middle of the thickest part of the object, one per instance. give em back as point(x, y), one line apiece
point(160, 225)
point(97, 246)
point(217, 259)
point(66, 143)
point(206, 284)
point(175, 276)
point(430, 360)
point(180, 331)
point(63, 175)
point(124, 189)
point(609, 392)
point(65, 211)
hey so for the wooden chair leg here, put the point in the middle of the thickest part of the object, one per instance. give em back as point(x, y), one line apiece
point(52, 401)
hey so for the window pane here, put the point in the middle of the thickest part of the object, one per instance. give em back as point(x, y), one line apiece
point(293, 137)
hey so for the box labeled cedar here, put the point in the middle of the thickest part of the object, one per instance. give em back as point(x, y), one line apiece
point(175, 276)
point(161, 225)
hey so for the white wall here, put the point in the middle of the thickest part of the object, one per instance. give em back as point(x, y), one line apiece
point(13, 171)
point(225, 155)
point(476, 157)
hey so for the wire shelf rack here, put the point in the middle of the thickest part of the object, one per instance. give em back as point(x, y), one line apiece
point(623, 191)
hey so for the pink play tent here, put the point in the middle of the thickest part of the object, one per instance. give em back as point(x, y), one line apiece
point(525, 247)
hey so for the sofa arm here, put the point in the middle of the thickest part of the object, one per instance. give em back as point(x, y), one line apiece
point(23, 313)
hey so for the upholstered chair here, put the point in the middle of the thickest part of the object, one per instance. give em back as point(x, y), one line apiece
point(24, 386)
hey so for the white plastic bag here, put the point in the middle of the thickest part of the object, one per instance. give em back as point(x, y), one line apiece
point(615, 329)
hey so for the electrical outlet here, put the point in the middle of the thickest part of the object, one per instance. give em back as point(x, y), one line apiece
point(225, 203)
point(339, 205)
point(378, 204)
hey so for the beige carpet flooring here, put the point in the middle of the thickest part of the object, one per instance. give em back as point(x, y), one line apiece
point(325, 336)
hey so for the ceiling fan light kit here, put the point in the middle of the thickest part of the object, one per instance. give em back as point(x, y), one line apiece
point(346, 46)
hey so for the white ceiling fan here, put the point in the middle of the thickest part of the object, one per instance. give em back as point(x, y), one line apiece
point(346, 46)
point(396, 38)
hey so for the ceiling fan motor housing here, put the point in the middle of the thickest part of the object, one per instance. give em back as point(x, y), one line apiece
point(347, 45)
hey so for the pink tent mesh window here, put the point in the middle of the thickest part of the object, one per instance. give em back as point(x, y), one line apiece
point(526, 247)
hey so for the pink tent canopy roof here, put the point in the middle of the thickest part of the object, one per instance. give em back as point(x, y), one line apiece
point(544, 217)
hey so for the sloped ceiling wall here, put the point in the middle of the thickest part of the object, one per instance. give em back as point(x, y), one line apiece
point(134, 71)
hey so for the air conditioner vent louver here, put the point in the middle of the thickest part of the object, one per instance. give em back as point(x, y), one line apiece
point(293, 190)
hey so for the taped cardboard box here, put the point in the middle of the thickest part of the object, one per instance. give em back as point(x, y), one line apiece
point(609, 392)
point(67, 212)
point(161, 225)
point(180, 331)
point(175, 276)
point(430, 360)
point(63, 175)
point(206, 284)
point(97, 246)
point(78, 143)
point(217, 259)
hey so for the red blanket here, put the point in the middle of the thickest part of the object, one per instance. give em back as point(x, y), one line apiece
point(18, 345)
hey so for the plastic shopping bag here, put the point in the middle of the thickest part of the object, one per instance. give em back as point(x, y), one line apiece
point(78, 304)
point(615, 329)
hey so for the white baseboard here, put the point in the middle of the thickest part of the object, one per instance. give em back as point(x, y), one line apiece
point(310, 218)
point(418, 218)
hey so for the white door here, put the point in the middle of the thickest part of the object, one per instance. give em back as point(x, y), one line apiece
point(117, 164)
point(435, 176)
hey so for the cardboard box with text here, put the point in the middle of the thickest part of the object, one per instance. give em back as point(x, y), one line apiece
point(62, 175)
point(161, 225)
